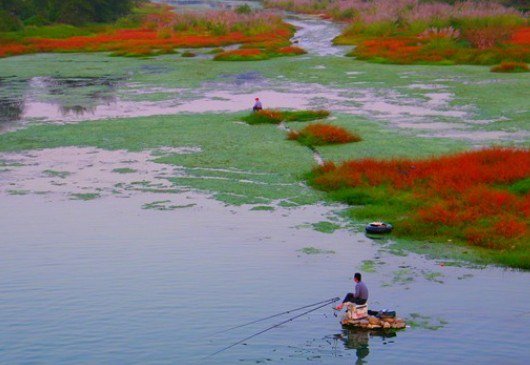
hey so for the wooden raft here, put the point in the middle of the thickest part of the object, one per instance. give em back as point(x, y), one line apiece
point(357, 317)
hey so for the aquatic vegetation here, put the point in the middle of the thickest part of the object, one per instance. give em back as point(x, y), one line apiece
point(157, 29)
point(478, 197)
point(315, 251)
point(271, 116)
point(18, 192)
point(433, 276)
point(262, 208)
point(188, 54)
point(322, 134)
point(325, 227)
point(84, 196)
point(511, 67)
point(367, 266)
point(417, 320)
point(412, 31)
point(124, 170)
point(257, 54)
point(164, 205)
point(59, 174)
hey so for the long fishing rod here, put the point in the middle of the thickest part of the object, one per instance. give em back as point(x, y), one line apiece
point(277, 315)
point(272, 327)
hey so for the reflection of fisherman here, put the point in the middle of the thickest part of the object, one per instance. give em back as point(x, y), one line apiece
point(360, 296)
point(257, 105)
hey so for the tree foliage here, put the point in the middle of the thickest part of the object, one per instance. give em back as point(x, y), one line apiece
point(63, 11)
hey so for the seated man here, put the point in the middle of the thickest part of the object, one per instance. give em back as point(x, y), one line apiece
point(257, 105)
point(360, 296)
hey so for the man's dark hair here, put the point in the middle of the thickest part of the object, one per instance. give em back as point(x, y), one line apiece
point(357, 276)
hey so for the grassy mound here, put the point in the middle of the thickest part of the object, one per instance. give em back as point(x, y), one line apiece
point(511, 67)
point(319, 134)
point(277, 116)
point(257, 54)
point(480, 198)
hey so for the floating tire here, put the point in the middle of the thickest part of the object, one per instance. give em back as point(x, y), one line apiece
point(378, 228)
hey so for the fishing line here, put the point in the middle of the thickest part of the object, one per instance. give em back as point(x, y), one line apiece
point(279, 314)
point(272, 327)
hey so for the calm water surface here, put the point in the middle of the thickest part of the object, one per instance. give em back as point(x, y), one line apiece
point(105, 282)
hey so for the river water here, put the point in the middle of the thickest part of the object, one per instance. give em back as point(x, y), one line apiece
point(107, 282)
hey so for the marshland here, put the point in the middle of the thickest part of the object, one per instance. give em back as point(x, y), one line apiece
point(145, 208)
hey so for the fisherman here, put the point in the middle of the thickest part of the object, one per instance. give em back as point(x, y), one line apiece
point(257, 105)
point(360, 296)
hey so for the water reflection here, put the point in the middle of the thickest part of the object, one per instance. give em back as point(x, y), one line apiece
point(53, 97)
point(11, 101)
point(359, 340)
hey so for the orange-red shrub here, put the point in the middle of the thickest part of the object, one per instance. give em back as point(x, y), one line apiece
point(291, 50)
point(511, 67)
point(159, 33)
point(521, 36)
point(469, 192)
point(321, 134)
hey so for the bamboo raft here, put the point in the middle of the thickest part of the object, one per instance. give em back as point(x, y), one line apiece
point(358, 317)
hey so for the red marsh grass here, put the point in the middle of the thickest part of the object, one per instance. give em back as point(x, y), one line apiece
point(412, 31)
point(511, 67)
point(160, 31)
point(480, 198)
point(319, 134)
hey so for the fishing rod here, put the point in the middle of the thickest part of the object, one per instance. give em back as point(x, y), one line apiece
point(278, 315)
point(272, 327)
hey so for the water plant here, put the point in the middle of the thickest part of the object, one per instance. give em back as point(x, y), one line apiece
point(477, 198)
point(124, 170)
point(319, 134)
point(315, 251)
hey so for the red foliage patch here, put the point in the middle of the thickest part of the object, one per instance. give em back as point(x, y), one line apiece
point(320, 134)
point(521, 36)
point(511, 67)
point(467, 191)
point(155, 37)
point(291, 50)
